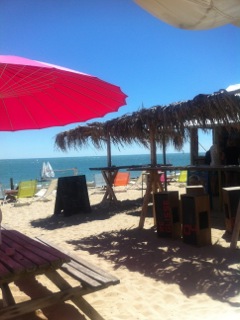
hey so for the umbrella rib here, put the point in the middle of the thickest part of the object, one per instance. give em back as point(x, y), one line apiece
point(9, 119)
point(25, 84)
point(86, 95)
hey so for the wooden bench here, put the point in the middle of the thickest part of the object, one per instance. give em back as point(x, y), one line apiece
point(90, 277)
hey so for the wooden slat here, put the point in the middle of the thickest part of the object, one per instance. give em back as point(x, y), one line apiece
point(19, 258)
point(79, 301)
point(78, 275)
point(32, 249)
point(7, 295)
point(15, 311)
point(47, 249)
point(90, 273)
point(9, 261)
point(86, 264)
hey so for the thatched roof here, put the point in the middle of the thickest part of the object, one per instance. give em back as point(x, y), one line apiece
point(163, 124)
point(82, 136)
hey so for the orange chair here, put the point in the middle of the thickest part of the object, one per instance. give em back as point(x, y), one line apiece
point(121, 179)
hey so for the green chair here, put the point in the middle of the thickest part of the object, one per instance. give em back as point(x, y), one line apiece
point(26, 189)
point(183, 176)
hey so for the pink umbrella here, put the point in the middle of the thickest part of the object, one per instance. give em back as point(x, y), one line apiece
point(35, 95)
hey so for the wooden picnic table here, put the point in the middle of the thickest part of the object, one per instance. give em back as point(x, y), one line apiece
point(23, 258)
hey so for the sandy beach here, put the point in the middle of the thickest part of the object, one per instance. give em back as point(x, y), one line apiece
point(159, 278)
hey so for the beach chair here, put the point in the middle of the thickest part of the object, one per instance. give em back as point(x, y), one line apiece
point(43, 194)
point(183, 176)
point(140, 182)
point(99, 181)
point(26, 189)
point(3, 196)
point(121, 179)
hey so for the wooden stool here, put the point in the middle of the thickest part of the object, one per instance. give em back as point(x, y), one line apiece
point(196, 219)
point(167, 214)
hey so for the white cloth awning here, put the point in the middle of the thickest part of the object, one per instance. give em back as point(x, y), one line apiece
point(194, 14)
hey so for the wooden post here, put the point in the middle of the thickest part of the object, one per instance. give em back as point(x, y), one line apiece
point(193, 144)
point(109, 156)
point(11, 184)
point(153, 149)
point(236, 229)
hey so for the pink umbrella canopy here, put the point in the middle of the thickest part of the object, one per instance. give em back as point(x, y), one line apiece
point(35, 95)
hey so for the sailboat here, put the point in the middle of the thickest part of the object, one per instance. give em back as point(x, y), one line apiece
point(47, 172)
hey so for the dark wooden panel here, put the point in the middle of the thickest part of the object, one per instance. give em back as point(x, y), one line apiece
point(72, 196)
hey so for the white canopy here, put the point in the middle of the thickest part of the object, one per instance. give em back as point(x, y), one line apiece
point(194, 14)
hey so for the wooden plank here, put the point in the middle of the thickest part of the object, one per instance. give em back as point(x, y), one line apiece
point(83, 305)
point(47, 249)
point(15, 311)
point(90, 273)
point(9, 261)
point(236, 229)
point(79, 301)
point(34, 250)
point(83, 278)
point(7, 295)
point(24, 249)
point(20, 259)
point(85, 263)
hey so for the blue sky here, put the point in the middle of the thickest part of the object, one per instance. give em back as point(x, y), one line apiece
point(116, 40)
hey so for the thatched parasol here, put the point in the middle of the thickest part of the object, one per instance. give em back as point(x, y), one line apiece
point(141, 127)
point(82, 136)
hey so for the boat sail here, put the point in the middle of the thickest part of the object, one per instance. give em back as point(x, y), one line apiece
point(47, 171)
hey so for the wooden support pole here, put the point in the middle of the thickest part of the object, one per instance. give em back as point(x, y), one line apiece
point(236, 229)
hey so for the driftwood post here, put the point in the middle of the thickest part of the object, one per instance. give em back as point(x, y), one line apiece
point(109, 156)
point(236, 229)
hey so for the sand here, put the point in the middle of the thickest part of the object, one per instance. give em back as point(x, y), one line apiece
point(159, 278)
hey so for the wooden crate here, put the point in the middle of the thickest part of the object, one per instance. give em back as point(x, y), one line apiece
point(196, 228)
point(167, 214)
point(231, 197)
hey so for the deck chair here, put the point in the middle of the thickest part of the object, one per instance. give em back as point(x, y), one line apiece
point(183, 176)
point(99, 181)
point(43, 194)
point(3, 197)
point(26, 189)
point(121, 179)
point(140, 182)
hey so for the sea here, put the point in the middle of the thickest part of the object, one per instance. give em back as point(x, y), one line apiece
point(27, 169)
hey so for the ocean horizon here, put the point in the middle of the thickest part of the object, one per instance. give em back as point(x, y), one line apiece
point(27, 169)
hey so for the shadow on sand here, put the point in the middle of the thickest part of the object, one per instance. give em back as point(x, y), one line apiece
point(98, 212)
point(196, 270)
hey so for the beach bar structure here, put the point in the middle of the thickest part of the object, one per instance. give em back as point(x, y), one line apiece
point(159, 126)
